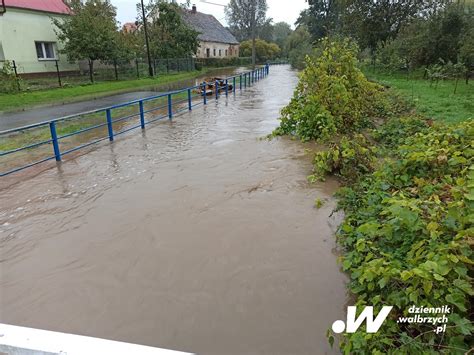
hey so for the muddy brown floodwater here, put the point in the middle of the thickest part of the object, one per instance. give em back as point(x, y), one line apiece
point(193, 235)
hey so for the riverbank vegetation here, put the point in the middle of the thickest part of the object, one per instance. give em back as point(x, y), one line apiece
point(408, 198)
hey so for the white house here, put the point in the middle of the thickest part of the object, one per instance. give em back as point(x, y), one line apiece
point(27, 35)
point(215, 41)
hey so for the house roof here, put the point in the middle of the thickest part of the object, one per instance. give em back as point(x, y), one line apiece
point(51, 6)
point(129, 27)
point(209, 28)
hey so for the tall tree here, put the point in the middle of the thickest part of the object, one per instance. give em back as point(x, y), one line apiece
point(323, 17)
point(91, 33)
point(298, 45)
point(281, 32)
point(170, 36)
point(247, 16)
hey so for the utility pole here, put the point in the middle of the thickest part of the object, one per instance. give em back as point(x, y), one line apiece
point(150, 68)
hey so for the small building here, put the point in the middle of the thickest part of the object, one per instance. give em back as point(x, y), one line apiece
point(27, 35)
point(215, 41)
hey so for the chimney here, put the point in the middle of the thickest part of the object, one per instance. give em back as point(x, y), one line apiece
point(193, 9)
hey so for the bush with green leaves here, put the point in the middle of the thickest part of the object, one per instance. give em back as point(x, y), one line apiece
point(408, 236)
point(9, 82)
point(350, 159)
point(332, 96)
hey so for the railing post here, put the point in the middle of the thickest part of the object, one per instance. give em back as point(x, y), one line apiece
point(204, 90)
point(226, 87)
point(142, 114)
point(170, 107)
point(233, 85)
point(54, 138)
point(190, 106)
point(217, 89)
point(240, 82)
point(109, 124)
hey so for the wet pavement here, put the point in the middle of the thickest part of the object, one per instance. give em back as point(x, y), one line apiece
point(192, 235)
point(10, 120)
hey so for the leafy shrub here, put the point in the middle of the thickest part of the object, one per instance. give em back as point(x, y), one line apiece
point(395, 130)
point(264, 50)
point(407, 237)
point(8, 80)
point(350, 159)
point(332, 96)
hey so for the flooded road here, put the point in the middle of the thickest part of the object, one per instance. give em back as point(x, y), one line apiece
point(10, 120)
point(193, 235)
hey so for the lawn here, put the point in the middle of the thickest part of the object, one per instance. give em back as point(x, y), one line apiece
point(23, 100)
point(436, 101)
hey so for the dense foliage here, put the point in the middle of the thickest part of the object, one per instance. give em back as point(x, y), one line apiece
point(407, 237)
point(332, 96)
point(425, 41)
point(91, 33)
point(10, 82)
point(408, 201)
point(298, 45)
point(398, 34)
point(264, 51)
point(169, 35)
point(246, 18)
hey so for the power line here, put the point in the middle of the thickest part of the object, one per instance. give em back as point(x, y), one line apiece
point(212, 3)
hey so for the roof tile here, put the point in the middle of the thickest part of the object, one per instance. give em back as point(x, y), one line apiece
point(52, 6)
point(209, 28)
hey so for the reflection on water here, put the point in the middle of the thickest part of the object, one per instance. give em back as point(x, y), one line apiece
point(193, 235)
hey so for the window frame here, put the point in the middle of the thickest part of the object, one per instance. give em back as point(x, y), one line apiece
point(44, 51)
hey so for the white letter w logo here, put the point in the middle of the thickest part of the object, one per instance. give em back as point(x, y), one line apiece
point(353, 324)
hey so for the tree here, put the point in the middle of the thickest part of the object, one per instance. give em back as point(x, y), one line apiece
point(298, 45)
point(372, 22)
point(444, 35)
point(466, 53)
point(265, 31)
point(247, 16)
point(281, 31)
point(169, 35)
point(323, 17)
point(90, 33)
point(264, 50)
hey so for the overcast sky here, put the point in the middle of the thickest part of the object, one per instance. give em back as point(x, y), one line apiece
point(280, 10)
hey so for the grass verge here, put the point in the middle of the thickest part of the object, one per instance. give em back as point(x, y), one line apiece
point(436, 101)
point(23, 100)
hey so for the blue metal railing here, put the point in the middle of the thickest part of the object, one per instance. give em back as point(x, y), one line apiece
point(187, 99)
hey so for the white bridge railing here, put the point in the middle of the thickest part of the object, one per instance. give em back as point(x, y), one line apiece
point(16, 340)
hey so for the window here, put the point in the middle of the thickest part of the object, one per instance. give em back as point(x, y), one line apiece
point(214, 51)
point(45, 50)
point(226, 52)
point(220, 52)
point(230, 51)
point(208, 52)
